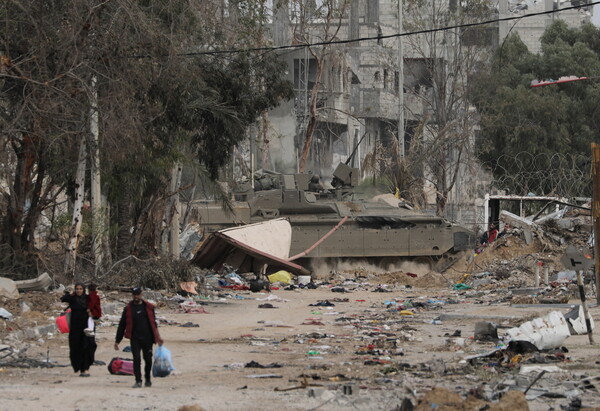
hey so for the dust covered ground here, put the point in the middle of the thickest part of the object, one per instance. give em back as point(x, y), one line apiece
point(407, 356)
point(378, 339)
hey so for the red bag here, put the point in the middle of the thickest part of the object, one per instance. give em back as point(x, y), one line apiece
point(120, 366)
point(62, 321)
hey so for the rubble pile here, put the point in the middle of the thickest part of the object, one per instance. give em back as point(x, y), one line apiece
point(472, 337)
point(28, 311)
point(513, 260)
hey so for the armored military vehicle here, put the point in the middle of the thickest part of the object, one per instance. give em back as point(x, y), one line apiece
point(376, 230)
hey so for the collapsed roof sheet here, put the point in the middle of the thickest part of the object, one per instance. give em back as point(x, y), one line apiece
point(248, 248)
point(272, 237)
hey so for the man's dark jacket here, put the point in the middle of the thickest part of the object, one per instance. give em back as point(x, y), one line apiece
point(126, 323)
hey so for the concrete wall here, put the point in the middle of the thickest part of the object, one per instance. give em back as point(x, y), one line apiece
point(531, 29)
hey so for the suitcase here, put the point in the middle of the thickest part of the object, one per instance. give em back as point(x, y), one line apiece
point(121, 366)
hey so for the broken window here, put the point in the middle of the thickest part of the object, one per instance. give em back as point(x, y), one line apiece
point(373, 11)
point(418, 74)
point(314, 11)
point(479, 36)
point(305, 72)
point(385, 78)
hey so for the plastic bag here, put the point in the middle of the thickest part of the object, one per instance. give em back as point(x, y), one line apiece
point(162, 362)
point(281, 276)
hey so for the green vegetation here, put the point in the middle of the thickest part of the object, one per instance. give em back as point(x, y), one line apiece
point(562, 118)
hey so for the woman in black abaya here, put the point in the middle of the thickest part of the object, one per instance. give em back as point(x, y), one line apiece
point(81, 346)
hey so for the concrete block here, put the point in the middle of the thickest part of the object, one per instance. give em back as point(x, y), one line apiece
point(112, 308)
point(33, 333)
point(486, 331)
point(526, 291)
point(520, 222)
point(480, 282)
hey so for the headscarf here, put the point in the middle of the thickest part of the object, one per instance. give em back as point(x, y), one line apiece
point(81, 299)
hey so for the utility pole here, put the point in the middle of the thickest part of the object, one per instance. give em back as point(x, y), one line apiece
point(400, 81)
point(596, 213)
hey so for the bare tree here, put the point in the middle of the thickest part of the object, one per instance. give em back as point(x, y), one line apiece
point(316, 21)
point(441, 64)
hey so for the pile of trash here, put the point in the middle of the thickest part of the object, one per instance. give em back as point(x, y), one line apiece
point(228, 279)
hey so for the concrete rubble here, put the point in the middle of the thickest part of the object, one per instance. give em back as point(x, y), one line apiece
point(485, 334)
point(8, 288)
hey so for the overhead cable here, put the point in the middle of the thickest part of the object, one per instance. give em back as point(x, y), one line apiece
point(378, 37)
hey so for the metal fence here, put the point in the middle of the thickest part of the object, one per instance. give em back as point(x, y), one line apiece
point(562, 175)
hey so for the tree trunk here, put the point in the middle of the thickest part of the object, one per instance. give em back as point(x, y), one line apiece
point(440, 203)
point(25, 153)
point(98, 214)
point(36, 203)
point(312, 121)
point(188, 206)
point(124, 223)
point(71, 254)
point(170, 233)
point(144, 228)
point(174, 243)
point(265, 141)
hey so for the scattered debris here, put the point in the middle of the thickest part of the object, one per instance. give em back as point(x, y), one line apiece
point(5, 314)
point(250, 246)
point(281, 276)
point(266, 305)
point(303, 384)
point(189, 325)
point(576, 320)
point(8, 288)
point(416, 335)
point(486, 331)
point(546, 332)
point(254, 364)
point(191, 307)
point(41, 283)
point(264, 376)
point(189, 287)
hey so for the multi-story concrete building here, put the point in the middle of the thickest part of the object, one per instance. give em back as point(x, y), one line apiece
point(358, 90)
point(360, 99)
point(359, 96)
point(531, 29)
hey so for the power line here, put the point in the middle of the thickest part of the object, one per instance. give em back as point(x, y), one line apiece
point(388, 36)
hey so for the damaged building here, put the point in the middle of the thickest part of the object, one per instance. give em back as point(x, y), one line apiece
point(531, 29)
point(359, 87)
point(360, 105)
point(355, 99)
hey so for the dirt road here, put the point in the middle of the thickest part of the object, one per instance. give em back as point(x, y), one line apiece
point(416, 357)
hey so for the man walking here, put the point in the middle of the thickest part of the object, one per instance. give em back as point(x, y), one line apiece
point(138, 323)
